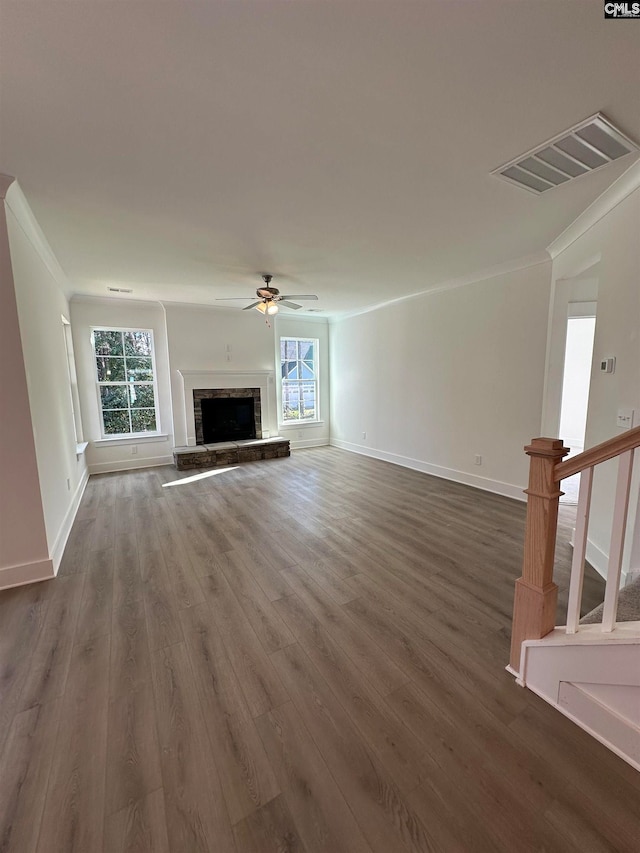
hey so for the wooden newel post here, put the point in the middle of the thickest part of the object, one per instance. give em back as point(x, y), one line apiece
point(536, 595)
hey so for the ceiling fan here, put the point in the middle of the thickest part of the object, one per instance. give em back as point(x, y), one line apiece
point(270, 298)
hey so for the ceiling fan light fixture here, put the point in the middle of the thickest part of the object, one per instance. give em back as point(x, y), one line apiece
point(272, 308)
point(262, 307)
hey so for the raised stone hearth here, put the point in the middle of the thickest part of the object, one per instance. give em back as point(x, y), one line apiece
point(230, 453)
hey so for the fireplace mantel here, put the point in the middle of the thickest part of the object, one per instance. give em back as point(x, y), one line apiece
point(193, 380)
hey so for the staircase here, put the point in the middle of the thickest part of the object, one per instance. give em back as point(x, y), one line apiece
point(588, 669)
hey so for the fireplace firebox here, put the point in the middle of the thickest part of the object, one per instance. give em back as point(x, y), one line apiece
point(227, 414)
point(227, 419)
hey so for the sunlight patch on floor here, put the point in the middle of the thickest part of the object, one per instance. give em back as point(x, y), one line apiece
point(196, 477)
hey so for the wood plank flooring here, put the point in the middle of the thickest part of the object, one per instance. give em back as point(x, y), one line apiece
point(303, 654)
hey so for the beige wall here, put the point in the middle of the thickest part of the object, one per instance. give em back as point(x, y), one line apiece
point(435, 380)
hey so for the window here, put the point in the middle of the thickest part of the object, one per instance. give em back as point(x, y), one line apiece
point(125, 373)
point(299, 373)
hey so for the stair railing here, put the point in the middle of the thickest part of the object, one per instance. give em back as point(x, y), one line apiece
point(536, 594)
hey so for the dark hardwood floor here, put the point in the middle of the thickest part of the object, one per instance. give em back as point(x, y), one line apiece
point(295, 655)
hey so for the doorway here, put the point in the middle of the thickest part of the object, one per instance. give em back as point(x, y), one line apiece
point(576, 380)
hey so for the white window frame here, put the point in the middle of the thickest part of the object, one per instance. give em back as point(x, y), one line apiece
point(294, 422)
point(73, 382)
point(120, 436)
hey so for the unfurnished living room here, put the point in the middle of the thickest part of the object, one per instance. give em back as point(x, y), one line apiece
point(320, 400)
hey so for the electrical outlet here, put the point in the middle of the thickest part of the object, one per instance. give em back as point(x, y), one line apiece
point(478, 459)
point(134, 450)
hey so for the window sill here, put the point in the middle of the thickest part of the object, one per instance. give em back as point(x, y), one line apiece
point(132, 439)
point(300, 424)
point(81, 446)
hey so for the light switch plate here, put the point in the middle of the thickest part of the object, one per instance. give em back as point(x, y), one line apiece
point(624, 419)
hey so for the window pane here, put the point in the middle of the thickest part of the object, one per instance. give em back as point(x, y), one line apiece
point(137, 343)
point(290, 400)
point(110, 369)
point(291, 349)
point(306, 370)
point(308, 397)
point(108, 343)
point(306, 350)
point(143, 420)
point(141, 396)
point(113, 397)
point(116, 422)
point(139, 369)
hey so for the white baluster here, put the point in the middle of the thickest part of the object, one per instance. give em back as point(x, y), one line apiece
point(614, 569)
point(579, 550)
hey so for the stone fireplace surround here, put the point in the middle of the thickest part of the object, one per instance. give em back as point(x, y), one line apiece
point(228, 381)
point(199, 383)
point(200, 394)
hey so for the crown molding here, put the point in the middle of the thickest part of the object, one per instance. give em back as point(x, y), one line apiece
point(5, 183)
point(17, 203)
point(481, 275)
point(627, 183)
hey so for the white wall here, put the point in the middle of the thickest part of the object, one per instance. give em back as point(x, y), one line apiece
point(41, 302)
point(291, 325)
point(439, 378)
point(220, 340)
point(116, 454)
point(614, 240)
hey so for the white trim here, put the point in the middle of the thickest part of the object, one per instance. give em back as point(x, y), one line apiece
point(80, 448)
point(41, 570)
point(300, 444)
point(484, 483)
point(505, 268)
point(128, 464)
point(300, 424)
point(597, 558)
point(132, 438)
point(585, 727)
point(627, 183)
point(19, 206)
point(67, 522)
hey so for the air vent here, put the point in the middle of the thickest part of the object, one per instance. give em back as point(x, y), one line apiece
point(119, 290)
point(584, 148)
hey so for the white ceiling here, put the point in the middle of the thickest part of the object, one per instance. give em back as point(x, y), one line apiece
point(182, 148)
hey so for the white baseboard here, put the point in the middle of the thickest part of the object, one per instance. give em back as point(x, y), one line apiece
point(597, 558)
point(128, 464)
point(484, 483)
point(65, 529)
point(41, 570)
point(311, 442)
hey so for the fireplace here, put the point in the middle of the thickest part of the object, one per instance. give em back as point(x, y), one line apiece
point(227, 414)
point(227, 419)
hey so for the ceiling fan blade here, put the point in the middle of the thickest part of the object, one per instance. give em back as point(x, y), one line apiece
point(253, 305)
point(299, 296)
point(289, 304)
